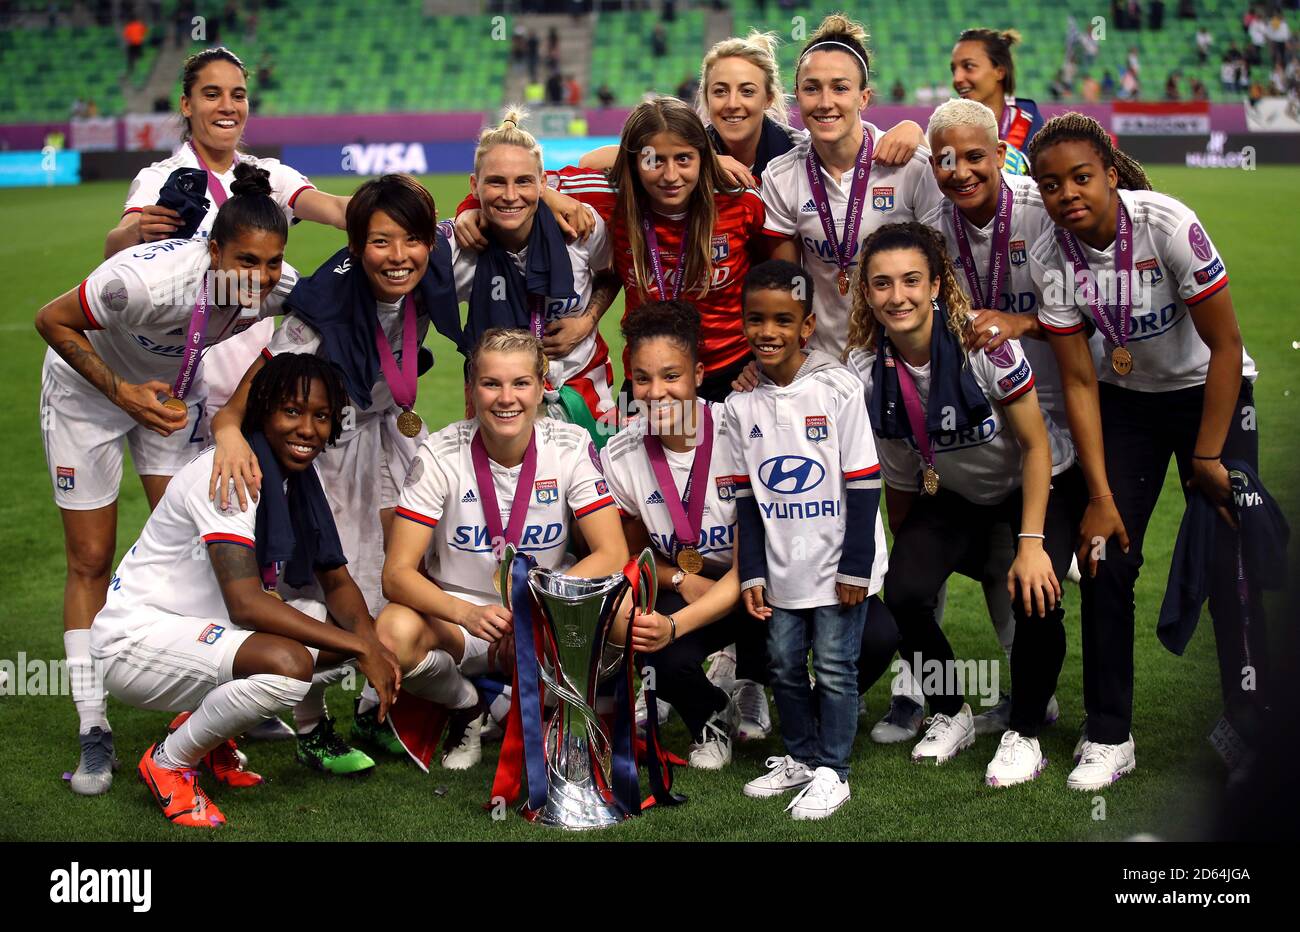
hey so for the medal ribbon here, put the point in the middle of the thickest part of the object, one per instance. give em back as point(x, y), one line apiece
point(998, 254)
point(537, 315)
point(915, 416)
point(214, 183)
point(857, 198)
point(1114, 328)
point(487, 490)
point(194, 340)
point(401, 379)
point(687, 512)
point(656, 260)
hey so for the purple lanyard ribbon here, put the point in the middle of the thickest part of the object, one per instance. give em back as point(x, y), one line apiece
point(194, 340)
point(656, 260)
point(537, 315)
point(401, 379)
point(687, 512)
point(912, 404)
point(487, 491)
point(1114, 327)
point(857, 199)
point(998, 245)
point(215, 187)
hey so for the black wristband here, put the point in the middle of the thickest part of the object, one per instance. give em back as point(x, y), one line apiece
point(1197, 456)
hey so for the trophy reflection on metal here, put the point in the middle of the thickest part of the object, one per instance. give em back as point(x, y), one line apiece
point(578, 619)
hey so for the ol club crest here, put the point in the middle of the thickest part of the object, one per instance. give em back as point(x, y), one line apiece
point(546, 491)
point(814, 427)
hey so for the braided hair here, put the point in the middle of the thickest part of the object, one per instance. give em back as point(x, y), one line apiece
point(1075, 127)
point(864, 329)
point(288, 376)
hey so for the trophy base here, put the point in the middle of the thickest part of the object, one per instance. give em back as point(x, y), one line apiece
point(577, 807)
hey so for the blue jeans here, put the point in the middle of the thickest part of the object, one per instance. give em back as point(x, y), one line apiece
point(818, 731)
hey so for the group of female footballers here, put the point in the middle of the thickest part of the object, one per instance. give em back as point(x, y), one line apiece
point(808, 313)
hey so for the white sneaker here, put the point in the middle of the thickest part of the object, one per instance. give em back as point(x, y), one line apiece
point(642, 715)
point(945, 737)
point(755, 719)
point(712, 750)
point(1100, 765)
point(1053, 711)
point(820, 798)
point(1018, 760)
point(468, 750)
point(901, 723)
point(722, 669)
point(785, 774)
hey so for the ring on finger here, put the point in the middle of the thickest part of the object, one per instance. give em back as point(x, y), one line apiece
point(994, 331)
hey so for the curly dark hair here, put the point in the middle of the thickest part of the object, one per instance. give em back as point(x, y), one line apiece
point(288, 376)
point(678, 321)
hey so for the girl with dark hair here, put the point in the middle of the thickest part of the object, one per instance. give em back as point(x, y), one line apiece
point(953, 473)
point(111, 375)
point(1164, 374)
point(367, 309)
point(671, 474)
point(825, 196)
point(213, 114)
point(984, 70)
point(208, 637)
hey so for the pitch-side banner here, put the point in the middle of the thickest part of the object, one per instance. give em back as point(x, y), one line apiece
point(1273, 115)
point(152, 131)
point(1130, 118)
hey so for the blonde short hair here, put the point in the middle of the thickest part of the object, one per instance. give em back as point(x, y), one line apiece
point(507, 133)
point(504, 340)
point(961, 112)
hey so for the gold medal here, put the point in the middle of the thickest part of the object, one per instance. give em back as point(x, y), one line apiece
point(409, 423)
point(844, 282)
point(1121, 360)
point(931, 481)
point(274, 593)
point(689, 561)
point(500, 570)
point(176, 405)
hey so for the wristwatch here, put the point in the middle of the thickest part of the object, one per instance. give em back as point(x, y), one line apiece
point(678, 578)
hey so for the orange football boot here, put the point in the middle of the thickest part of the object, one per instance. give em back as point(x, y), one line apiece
point(178, 794)
point(226, 761)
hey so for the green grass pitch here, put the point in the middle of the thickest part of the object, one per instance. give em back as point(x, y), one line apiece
point(54, 236)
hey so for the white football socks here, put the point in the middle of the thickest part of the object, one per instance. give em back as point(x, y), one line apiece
point(87, 684)
point(436, 678)
point(308, 713)
point(231, 709)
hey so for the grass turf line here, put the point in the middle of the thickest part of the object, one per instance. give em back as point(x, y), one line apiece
point(56, 237)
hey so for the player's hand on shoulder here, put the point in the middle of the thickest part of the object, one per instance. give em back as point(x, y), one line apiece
point(468, 229)
point(142, 403)
point(735, 174)
point(158, 223)
point(576, 222)
point(234, 463)
point(990, 329)
point(489, 622)
point(747, 380)
point(899, 144)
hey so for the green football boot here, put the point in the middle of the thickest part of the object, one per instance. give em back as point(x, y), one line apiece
point(322, 749)
point(369, 730)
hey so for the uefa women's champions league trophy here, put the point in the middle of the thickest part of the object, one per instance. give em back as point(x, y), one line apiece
point(578, 616)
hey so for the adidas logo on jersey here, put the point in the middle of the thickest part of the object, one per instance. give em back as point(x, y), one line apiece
point(469, 497)
point(655, 498)
point(809, 207)
point(755, 433)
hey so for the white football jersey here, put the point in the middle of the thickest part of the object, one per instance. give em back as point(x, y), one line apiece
point(587, 258)
point(982, 464)
point(286, 184)
point(797, 449)
point(442, 493)
point(637, 493)
point(1019, 293)
point(895, 194)
point(295, 335)
point(167, 571)
point(138, 304)
point(1176, 266)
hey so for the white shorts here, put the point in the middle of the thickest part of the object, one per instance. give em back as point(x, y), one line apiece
point(83, 432)
point(176, 660)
